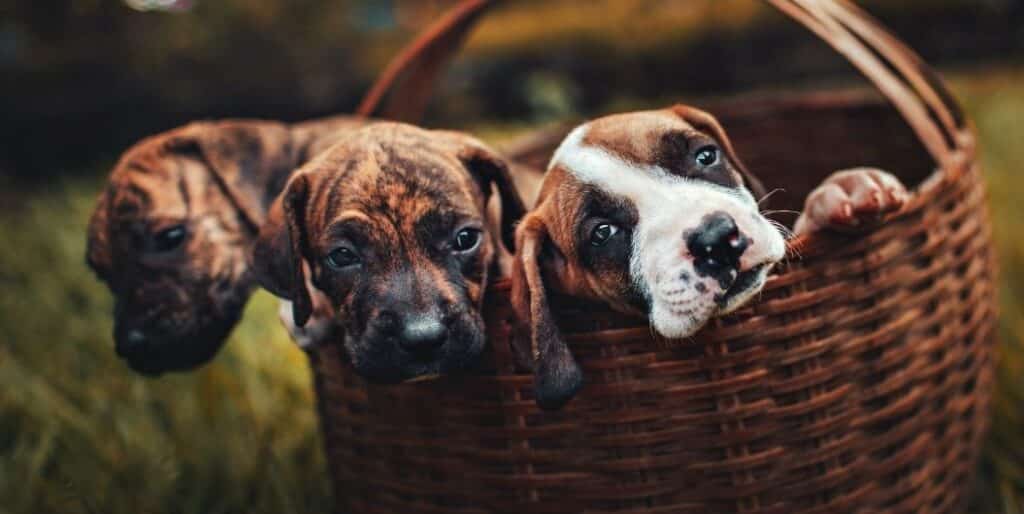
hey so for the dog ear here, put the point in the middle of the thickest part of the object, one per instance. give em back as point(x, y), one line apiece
point(487, 168)
point(278, 254)
point(705, 122)
point(250, 160)
point(97, 248)
point(557, 376)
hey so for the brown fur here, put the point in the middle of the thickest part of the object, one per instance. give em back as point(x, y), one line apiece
point(633, 137)
point(383, 191)
point(547, 258)
point(217, 179)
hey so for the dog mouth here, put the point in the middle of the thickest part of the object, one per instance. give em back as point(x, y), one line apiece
point(157, 349)
point(381, 361)
point(146, 367)
point(165, 357)
point(746, 284)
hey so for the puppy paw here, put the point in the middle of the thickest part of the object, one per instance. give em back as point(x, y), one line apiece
point(852, 200)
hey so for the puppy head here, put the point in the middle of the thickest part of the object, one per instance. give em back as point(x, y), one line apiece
point(391, 226)
point(169, 237)
point(651, 213)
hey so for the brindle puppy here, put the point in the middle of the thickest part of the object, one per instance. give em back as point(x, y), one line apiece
point(171, 232)
point(391, 225)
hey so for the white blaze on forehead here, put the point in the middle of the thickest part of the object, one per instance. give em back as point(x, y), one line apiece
point(668, 206)
point(653, 190)
point(641, 183)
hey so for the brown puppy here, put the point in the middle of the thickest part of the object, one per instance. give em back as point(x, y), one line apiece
point(171, 232)
point(653, 214)
point(388, 228)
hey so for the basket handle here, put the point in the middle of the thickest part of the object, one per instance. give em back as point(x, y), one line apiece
point(915, 90)
point(404, 88)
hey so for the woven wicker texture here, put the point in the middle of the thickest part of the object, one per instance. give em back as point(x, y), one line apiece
point(858, 382)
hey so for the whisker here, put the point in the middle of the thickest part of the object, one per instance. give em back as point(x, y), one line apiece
point(787, 233)
point(780, 211)
point(769, 194)
point(790, 248)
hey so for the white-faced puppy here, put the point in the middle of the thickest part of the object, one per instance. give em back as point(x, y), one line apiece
point(651, 213)
point(388, 226)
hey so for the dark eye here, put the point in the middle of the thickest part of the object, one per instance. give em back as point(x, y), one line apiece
point(466, 240)
point(169, 238)
point(342, 257)
point(602, 233)
point(707, 155)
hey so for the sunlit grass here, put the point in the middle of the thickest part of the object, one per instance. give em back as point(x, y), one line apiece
point(79, 432)
point(996, 104)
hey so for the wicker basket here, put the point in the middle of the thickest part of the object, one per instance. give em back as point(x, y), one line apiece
point(859, 382)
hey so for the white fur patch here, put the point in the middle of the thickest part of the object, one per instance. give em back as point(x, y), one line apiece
point(669, 206)
point(315, 332)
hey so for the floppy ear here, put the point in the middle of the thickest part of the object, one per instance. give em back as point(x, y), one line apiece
point(487, 168)
point(557, 376)
point(250, 159)
point(279, 251)
point(707, 123)
point(97, 247)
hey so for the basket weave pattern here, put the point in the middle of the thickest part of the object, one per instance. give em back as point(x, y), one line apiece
point(820, 398)
point(859, 382)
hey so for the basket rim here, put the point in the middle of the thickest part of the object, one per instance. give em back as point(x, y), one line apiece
point(916, 91)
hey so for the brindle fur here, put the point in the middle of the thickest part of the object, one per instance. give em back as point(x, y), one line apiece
point(217, 179)
point(396, 195)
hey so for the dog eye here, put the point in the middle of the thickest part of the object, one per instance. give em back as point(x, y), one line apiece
point(602, 233)
point(707, 155)
point(168, 238)
point(342, 257)
point(466, 240)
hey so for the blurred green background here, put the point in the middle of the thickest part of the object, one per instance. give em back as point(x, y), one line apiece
point(83, 79)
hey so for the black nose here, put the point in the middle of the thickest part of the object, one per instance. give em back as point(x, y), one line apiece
point(131, 343)
point(717, 243)
point(423, 334)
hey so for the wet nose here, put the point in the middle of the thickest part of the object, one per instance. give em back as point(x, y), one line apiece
point(717, 243)
point(423, 334)
point(131, 343)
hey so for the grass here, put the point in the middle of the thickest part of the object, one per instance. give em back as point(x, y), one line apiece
point(995, 102)
point(80, 433)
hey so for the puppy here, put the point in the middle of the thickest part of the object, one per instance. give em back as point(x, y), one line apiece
point(386, 232)
point(653, 214)
point(171, 232)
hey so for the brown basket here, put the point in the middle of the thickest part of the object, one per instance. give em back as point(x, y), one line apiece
point(858, 383)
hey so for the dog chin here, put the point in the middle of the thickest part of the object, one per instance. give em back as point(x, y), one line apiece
point(747, 286)
point(675, 323)
point(172, 357)
point(172, 348)
point(685, 311)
